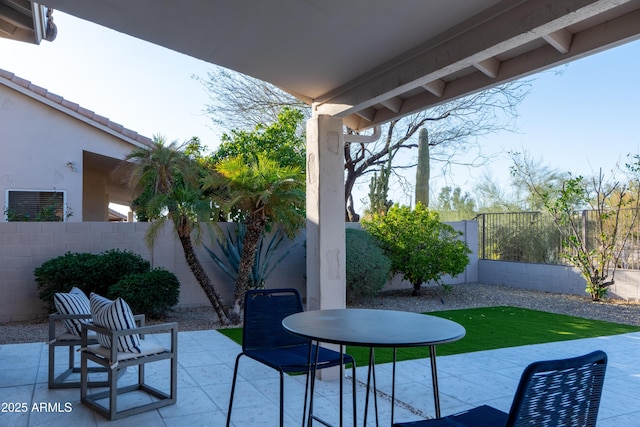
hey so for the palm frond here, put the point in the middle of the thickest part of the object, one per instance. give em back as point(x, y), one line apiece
point(154, 230)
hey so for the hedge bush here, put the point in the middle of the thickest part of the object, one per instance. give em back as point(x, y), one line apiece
point(367, 265)
point(89, 272)
point(115, 264)
point(151, 293)
point(62, 273)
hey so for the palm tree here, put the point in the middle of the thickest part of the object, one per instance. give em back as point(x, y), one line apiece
point(169, 183)
point(263, 192)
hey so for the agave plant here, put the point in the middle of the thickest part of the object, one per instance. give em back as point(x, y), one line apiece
point(265, 260)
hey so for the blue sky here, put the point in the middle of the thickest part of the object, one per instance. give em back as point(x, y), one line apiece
point(142, 86)
point(583, 118)
point(579, 120)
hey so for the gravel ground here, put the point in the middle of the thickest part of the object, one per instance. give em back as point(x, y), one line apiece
point(433, 298)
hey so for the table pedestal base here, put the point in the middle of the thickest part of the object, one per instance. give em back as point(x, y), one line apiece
point(371, 378)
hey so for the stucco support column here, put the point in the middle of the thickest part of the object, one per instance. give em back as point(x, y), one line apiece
point(326, 270)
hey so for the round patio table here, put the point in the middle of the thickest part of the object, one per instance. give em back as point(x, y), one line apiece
point(377, 328)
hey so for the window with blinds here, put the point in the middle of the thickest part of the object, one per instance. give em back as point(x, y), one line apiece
point(35, 206)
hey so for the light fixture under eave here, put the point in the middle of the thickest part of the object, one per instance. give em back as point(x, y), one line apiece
point(51, 31)
point(72, 166)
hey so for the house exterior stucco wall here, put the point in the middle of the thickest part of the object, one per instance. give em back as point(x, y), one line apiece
point(38, 141)
point(93, 202)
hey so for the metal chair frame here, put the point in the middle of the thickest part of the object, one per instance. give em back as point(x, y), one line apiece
point(116, 365)
point(69, 341)
point(300, 353)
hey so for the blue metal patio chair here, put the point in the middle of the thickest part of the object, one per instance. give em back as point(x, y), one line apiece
point(553, 393)
point(266, 341)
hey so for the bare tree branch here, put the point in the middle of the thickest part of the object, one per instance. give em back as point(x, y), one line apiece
point(242, 102)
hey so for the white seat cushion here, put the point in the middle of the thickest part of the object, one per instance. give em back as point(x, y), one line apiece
point(74, 302)
point(114, 315)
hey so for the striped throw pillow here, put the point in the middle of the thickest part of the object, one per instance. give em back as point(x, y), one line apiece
point(73, 302)
point(115, 315)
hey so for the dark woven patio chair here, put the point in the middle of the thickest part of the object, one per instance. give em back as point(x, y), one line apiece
point(554, 393)
point(266, 341)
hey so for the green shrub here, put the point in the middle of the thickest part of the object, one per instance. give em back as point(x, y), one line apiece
point(367, 265)
point(62, 273)
point(151, 293)
point(115, 264)
point(420, 247)
point(89, 272)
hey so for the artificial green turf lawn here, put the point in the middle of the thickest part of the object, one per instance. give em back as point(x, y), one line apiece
point(490, 328)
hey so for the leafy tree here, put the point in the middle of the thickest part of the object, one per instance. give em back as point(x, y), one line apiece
point(536, 180)
point(452, 205)
point(170, 184)
point(491, 197)
point(593, 243)
point(282, 141)
point(243, 102)
point(264, 192)
point(420, 247)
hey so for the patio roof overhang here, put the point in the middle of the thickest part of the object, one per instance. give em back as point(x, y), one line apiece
point(26, 21)
point(361, 63)
point(371, 61)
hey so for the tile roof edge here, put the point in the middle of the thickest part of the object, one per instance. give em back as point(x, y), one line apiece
point(37, 92)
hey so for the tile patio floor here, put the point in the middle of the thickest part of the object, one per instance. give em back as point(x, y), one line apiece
point(206, 361)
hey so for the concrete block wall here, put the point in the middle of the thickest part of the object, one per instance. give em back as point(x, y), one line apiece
point(553, 278)
point(25, 246)
point(627, 285)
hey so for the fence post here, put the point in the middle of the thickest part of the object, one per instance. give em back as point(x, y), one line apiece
point(585, 232)
point(484, 231)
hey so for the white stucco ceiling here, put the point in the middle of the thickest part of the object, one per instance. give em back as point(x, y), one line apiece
point(370, 61)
